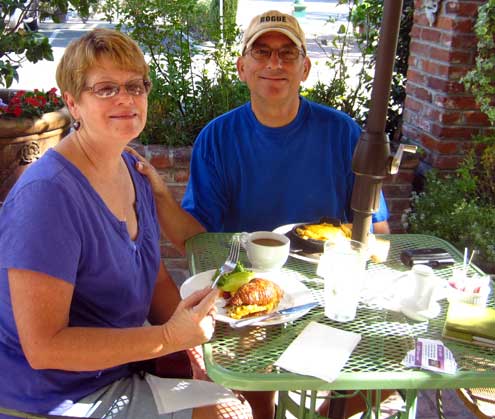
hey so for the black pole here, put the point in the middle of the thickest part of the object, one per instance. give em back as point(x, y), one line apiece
point(371, 158)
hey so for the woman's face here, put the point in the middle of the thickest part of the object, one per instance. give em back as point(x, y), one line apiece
point(119, 118)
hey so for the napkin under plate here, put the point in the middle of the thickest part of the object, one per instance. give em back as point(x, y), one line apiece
point(320, 351)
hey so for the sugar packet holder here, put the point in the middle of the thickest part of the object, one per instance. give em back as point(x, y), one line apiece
point(431, 355)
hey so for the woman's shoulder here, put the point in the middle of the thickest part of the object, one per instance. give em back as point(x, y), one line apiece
point(52, 179)
point(46, 170)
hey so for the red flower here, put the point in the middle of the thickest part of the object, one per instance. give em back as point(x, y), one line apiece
point(31, 104)
point(17, 111)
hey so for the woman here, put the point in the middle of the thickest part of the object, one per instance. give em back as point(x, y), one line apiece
point(80, 267)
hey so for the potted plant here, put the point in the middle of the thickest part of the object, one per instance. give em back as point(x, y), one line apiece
point(30, 124)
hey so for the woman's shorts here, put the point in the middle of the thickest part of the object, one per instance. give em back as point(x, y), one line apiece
point(127, 398)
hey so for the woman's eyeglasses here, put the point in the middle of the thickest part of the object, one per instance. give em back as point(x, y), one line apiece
point(108, 89)
point(286, 54)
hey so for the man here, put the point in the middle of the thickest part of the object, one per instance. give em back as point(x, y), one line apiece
point(276, 160)
point(279, 158)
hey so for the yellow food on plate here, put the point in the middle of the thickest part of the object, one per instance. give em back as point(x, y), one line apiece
point(379, 248)
point(258, 296)
point(323, 231)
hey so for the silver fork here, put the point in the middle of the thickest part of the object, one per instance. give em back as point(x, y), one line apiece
point(230, 262)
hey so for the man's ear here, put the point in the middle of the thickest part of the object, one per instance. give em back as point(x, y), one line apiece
point(70, 101)
point(307, 68)
point(240, 68)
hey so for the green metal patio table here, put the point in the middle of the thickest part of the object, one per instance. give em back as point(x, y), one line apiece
point(243, 359)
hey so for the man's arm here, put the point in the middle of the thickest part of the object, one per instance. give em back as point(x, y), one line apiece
point(176, 223)
point(381, 227)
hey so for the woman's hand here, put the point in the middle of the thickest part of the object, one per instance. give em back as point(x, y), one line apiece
point(192, 322)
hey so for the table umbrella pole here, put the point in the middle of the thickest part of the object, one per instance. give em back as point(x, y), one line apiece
point(371, 160)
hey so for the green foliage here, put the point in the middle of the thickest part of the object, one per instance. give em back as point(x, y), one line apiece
point(229, 19)
point(453, 208)
point(193, 71)
point(350, 93)
point(486, 168)
point(481, 80)
point(18, 44)
point(340, 92)
point(193, 81)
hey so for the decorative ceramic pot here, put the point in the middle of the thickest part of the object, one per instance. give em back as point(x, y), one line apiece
point(24, 140)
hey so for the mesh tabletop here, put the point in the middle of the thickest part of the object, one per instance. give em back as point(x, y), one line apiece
point(243, 359)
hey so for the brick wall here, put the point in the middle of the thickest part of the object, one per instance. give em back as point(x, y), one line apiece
point(439, 115)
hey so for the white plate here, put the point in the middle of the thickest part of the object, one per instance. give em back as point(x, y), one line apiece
point(308, 257)
point(295, 293)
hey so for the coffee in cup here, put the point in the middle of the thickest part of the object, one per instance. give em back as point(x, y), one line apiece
point(266, 250)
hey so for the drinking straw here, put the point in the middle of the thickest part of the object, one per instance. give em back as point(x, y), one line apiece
point(471, 258)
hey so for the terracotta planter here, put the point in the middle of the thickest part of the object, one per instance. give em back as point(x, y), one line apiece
point(24, 140)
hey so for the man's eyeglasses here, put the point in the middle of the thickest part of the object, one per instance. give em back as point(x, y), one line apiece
point(108, 89)
point(286, 54)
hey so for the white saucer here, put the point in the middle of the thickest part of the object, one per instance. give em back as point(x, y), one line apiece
point(422, 315)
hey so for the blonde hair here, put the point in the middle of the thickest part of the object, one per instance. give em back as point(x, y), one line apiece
point(87, 52)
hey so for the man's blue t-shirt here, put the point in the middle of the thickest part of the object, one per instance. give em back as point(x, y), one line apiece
point(247, 177)
point(54, 222)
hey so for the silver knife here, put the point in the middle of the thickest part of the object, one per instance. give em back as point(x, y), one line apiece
point(283, 312)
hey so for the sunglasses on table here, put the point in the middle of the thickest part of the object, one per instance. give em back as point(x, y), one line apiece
point(286, 54)
point(108, 89)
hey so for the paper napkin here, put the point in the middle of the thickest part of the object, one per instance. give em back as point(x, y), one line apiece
point(178, 394)
point(320, 351)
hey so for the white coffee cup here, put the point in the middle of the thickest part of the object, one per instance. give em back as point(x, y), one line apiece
point(267, 251)
point(421, 294)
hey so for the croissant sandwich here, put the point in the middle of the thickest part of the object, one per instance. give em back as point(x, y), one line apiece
point(258, 296)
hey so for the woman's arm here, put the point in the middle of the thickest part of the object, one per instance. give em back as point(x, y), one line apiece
point(176, 223)
point(165, 298)
point(41, 306)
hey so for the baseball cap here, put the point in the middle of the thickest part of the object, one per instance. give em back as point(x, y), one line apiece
point(274, 21)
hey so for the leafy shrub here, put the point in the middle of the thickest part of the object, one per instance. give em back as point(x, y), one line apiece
point(229, 19)
point(452, 208)
point(193, 80)
point(480, 81)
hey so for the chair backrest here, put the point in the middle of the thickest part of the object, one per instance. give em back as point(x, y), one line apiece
point(480, 401)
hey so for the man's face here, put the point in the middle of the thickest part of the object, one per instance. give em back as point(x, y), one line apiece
point(273, 80)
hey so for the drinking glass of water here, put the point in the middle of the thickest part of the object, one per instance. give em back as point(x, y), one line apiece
point(343, 267)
